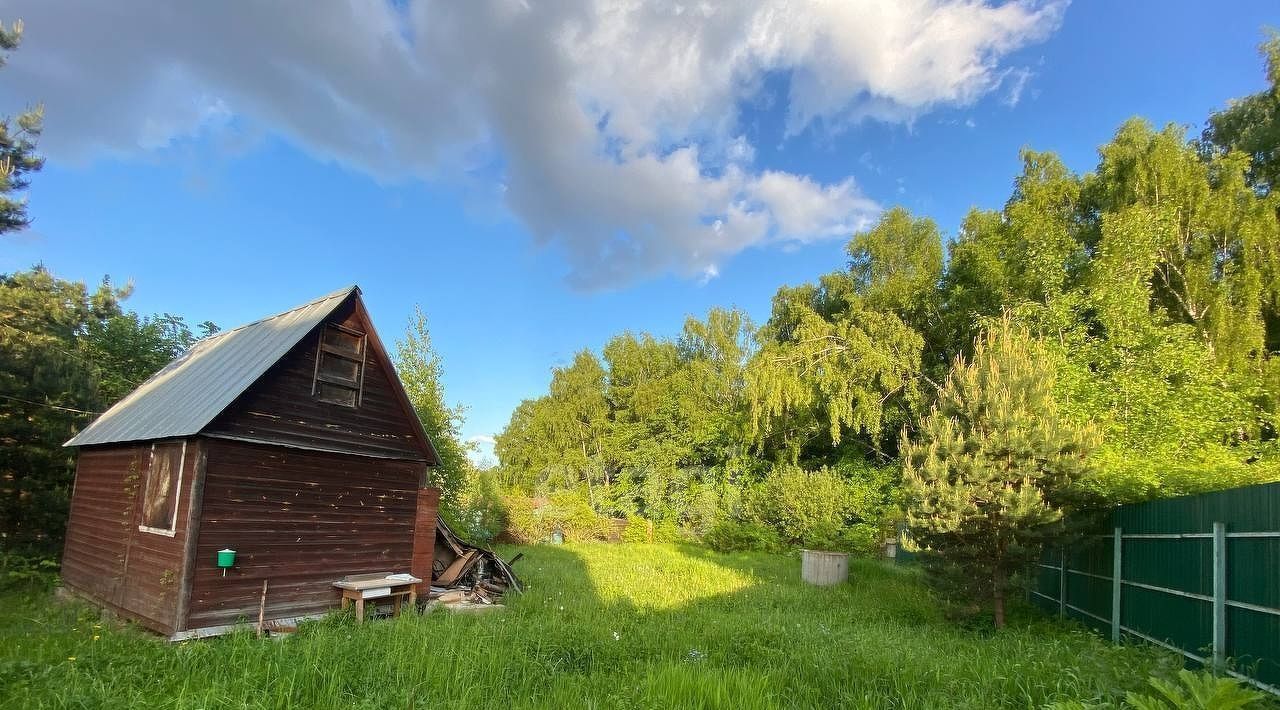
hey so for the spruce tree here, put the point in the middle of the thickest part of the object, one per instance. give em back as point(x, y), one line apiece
point(993, 470)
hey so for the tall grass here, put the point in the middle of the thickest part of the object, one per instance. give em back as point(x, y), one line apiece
point(607, 626)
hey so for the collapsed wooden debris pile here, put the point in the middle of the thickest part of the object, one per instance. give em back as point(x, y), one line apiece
point(465, 576)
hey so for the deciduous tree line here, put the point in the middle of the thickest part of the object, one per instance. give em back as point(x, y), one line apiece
point(1118, 331)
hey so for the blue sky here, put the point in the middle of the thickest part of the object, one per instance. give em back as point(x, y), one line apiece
point(537, 194)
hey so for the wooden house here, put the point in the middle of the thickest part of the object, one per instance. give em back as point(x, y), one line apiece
point(289, 440)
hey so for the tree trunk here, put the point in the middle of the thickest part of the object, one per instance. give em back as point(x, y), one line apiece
point(997, 595)
point(13, 508)
point(591, 495)
point(604, 470)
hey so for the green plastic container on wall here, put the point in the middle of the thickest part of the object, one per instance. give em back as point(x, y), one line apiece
point(226, 558)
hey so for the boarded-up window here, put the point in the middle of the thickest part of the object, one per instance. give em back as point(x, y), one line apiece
point(339, 366)
point(163, 487)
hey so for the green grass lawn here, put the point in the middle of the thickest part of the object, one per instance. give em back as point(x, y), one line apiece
point(611, 626)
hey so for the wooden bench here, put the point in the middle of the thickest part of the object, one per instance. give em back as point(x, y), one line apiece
point(360, 587)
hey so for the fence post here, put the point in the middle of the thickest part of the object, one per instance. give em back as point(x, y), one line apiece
point(1062, 582)
point(1219, 596)
point(1116, 569)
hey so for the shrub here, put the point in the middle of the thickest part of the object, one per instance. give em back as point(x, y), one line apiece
point(668, 531)
point(712, 500)
point(641, 529)
point(848, 508)
point(862, 539)
point(23, 571)
point(481, 513)
point(817, 509)
point(567, 511)
point(573, 515)
point(738, 536)
point(859, 538)
point(801, 505)
point(824, 535)
point(638, 530)
point(522, 524)
point(872, 490)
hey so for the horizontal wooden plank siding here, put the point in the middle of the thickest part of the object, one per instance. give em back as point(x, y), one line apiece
point(106, 557)
point(280, 408)
point(300, 520)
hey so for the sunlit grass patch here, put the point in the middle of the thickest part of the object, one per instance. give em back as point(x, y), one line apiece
point(650, 576)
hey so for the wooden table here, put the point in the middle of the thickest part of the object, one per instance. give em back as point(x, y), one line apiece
point(358, 588)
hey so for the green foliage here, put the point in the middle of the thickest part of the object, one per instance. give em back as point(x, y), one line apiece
point(1198, 691)
point(68, 353)
point(420, 369)
point(18, 158)
point(24, 572)
point(667, 531)
point(639, 429)
point(994, 469)
point(1173, 419)
point(897, 267)
point(827, 376)
point(638, 530)
point(1251, 125)
point(807, 508)
point(568, 511)
point(481, 515)
point(126, 349)
point(741, 536)
point(523, 526)
point(860, 538)
point(642, 530)
point(558, 441)
point(843, 509)
point(1031, 252)
point(847, 356)
point(1185, 239)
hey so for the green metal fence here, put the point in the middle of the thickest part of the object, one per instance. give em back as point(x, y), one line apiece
point(1199, 575)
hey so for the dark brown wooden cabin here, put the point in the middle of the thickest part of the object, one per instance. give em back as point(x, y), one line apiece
point(289, 440)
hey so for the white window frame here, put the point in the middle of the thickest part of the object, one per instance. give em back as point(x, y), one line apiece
point(177, 501)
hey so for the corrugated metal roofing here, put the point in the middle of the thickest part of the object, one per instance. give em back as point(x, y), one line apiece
point(189, 392)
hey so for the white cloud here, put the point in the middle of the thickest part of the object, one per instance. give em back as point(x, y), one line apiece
point(480, 450)
point(1016, 80)
point(612, 127)
point(802, 209)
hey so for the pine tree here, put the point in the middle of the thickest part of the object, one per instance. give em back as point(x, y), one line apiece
point(994, 469)
point(49, 388)
point(17, 147)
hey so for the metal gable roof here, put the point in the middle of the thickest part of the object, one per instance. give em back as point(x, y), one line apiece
point(189, 392)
